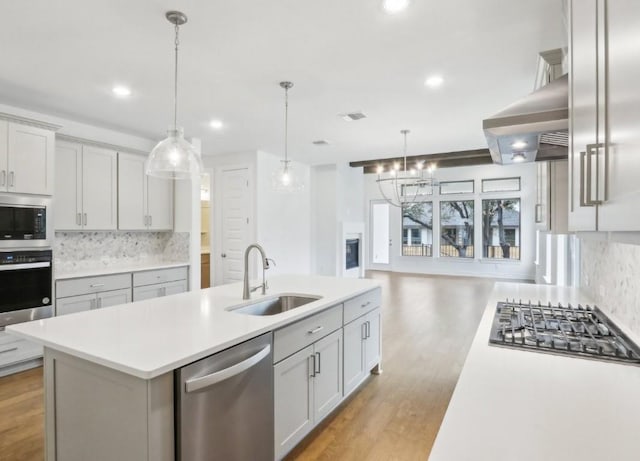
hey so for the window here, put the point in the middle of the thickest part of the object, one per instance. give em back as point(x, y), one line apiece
point(501, 229)
point(417, 229)
point(501, 185)
point(456, 229)
point(456, 187)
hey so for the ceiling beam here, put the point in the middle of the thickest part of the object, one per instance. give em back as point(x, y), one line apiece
point(443, 160)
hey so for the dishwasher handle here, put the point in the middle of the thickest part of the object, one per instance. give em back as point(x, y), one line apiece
point(197, 384)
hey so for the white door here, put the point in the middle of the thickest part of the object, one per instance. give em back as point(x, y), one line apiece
point(131, 192)
point(4, 140)
point(327, 386)
point(380, 231)
point(113, 298)
point(68, 196)
point(99, 188)
point(235, 208)
point(372, 343)
point(160, 203)
point(293, 400)
point(75, 304)
point(30, 159)
point(354, 334)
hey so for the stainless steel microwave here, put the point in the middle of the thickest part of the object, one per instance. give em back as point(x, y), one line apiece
point(25, 222)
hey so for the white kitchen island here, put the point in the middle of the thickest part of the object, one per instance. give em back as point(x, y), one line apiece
point(513, 404)
point(109, 373)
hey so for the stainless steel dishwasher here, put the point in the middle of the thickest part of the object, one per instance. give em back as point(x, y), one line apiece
point(224, 405)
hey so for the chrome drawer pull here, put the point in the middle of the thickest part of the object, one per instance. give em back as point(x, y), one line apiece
point(315, 330)
point(96, 285)
point(9, 350)
point(365, 304)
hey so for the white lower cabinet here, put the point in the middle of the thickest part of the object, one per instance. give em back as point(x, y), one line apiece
point(80, 303)
point(307, 386)
point(361, 349)
point(158, 283)
point(17, 354)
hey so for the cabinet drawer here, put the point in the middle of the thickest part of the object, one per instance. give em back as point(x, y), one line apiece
point(81, 286)
point(292, 338)
point(19, 350)
point(362, 304)
point(6, 338)
point(159, 276)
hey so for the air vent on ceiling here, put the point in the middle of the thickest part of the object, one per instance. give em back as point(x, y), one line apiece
point(320, 142)
point(353, 116)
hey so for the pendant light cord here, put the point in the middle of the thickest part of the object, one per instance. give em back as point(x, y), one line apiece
point(286, 125)
point(175, 82)
point(405, 150)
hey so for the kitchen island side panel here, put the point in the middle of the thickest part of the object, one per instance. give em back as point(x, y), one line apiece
point(97, 413)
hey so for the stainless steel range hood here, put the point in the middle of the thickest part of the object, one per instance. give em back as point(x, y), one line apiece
point(536, 125)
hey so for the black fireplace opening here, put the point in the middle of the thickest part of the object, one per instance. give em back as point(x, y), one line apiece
point(353, 253)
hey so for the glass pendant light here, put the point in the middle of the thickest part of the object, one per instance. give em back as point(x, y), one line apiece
point(284, 178)
point(174, 157)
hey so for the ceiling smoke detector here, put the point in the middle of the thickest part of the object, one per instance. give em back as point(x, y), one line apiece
point(352, 116)
point(320, 142)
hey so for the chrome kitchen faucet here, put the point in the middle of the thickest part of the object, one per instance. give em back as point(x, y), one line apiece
point(246, 291)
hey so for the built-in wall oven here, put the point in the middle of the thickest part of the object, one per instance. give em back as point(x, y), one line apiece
point(26, 284)
point(25, 222)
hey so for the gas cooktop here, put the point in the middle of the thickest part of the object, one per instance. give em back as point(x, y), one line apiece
point(580, 331)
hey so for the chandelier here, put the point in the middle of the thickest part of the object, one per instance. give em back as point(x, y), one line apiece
point(405, 186)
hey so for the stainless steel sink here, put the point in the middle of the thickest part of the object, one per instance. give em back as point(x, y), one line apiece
point(277, 305)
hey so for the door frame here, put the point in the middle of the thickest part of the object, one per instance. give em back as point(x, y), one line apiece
point(216, 217)
point(370, 264)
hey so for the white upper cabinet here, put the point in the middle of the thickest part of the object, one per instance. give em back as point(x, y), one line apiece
point(622, 149)
point(26, 159)
point(604, 120)
point(145, 202)
point(86, 187)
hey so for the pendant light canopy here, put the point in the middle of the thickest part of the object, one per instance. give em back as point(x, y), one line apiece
point(402, 186)
point(284, 178)
point(174, 157)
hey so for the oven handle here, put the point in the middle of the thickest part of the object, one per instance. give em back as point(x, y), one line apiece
point(17, 267)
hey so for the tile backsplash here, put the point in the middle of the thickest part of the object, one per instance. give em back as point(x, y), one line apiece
point(610, 273)
point(84, 250)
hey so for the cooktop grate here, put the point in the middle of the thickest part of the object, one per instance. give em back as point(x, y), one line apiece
point(582, 331)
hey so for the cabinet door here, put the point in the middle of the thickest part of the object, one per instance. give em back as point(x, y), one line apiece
point(113, 298)
point(4, 143)
point(99, 188)
point(30, 160)
point(620, 210)
point(75, 304)
point(327, 386)
point(372, 345)
point(353, 344)
point(131, 192)
point(173, 288)
point(293, 400)
point(160, 203)
point(148, 292)
point(583, 113)
point(68, 195)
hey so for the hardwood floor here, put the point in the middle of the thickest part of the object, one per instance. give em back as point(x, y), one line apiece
point(428, 324)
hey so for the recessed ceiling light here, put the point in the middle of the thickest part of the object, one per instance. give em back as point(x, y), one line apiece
point(216, 124)
point(121, 91)
point(519, 145)
point(434, 81)
point(395, 6)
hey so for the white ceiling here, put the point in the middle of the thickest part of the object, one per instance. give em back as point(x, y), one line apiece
point(63, 58)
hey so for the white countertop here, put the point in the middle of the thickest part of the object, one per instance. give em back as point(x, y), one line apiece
point(115, 269)
point(152, 337)
point(520, 405)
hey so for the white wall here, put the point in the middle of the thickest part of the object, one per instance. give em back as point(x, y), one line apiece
point(283, 219)
point(523, 269)
point(324, 232)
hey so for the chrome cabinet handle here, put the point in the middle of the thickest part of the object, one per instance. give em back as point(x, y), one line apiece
point(594, 149)
point(317, 372)
point(79, 219)
point(12, 178)
point(368, 329)
point(164, 291)
point(223, 255)
point(365, 304)
point(92, 304)
point(315, 330)
point(84, 220)
point(99, 303)
point(363, 333)
point(96, 285)
point(3, 175)
point(312, 367)
point(197, 384)
point(150, 220)
point(9, 350)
